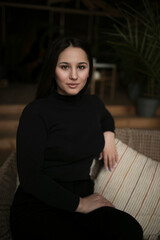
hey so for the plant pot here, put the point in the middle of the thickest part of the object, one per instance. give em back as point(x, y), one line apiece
point(134, 91)
point(147, 107)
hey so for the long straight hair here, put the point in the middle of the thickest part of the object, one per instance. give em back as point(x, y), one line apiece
point(47, 82)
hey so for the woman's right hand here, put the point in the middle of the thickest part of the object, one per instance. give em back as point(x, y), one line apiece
point(92, 202)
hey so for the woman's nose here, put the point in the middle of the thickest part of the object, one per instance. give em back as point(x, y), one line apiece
point(73, 74)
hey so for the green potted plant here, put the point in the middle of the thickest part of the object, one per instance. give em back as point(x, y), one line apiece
point(135, 37)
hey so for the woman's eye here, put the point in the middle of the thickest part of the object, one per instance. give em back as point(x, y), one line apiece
point(64, 67)
point(81, 67)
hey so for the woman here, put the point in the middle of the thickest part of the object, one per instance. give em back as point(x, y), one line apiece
point(59, 135)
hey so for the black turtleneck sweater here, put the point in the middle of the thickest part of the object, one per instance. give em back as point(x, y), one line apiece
point(57, 139)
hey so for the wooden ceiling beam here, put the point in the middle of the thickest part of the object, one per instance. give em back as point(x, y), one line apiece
point(57, 9)
point(57, 1)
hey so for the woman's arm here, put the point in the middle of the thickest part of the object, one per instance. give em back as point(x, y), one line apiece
point(109, 154)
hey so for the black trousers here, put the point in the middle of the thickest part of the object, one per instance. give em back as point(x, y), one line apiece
point(31, 219)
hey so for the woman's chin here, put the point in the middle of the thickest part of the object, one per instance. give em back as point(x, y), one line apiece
point(73, 91)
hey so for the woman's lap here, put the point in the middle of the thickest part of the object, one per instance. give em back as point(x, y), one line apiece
point(32, 219)
point(44, 224)
point(56, 224)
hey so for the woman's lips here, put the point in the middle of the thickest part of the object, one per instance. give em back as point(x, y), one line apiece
point(72, 85)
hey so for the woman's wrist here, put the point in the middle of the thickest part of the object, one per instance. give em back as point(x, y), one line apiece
point(109, 135)
point(80, 205)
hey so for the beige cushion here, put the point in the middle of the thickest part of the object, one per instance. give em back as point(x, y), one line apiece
point(134, 187)
point(8, 176)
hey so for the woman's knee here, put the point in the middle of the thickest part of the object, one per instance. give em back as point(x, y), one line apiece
point(129, 227)
point(119, 224)
point(133, 228)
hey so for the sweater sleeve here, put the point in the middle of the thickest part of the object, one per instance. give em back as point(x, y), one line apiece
point(31, 141)
point(106, 119)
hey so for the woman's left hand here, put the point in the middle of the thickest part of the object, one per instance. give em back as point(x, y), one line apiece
point(109, 154)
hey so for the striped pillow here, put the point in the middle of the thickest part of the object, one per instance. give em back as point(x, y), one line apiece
point(134, 187)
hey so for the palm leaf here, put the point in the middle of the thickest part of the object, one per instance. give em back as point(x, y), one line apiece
point(139, 41)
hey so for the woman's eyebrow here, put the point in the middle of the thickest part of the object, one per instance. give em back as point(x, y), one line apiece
point(63, 63)
point(83, 63)
point(69, 63)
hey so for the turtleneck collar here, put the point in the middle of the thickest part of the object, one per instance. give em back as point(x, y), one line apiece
point(68, 98)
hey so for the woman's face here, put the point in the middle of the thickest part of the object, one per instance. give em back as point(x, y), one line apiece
point(72, 71)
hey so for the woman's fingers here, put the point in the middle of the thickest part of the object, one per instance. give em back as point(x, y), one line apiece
point(101, 201)
point(100, 156)
point(110, 160)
